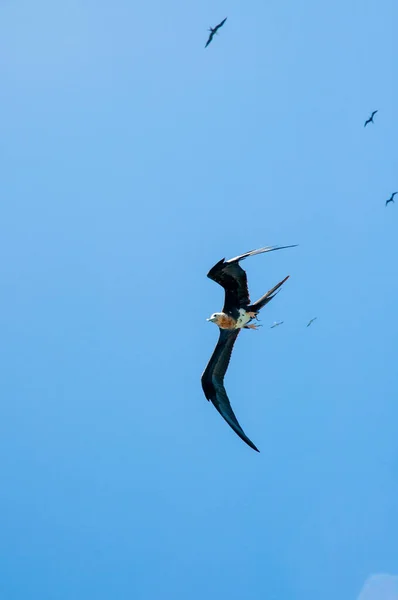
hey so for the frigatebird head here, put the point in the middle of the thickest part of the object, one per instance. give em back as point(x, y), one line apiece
point(214, 317)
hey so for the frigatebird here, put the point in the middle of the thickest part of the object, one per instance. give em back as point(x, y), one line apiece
point(370, 120)
point(237, 314)
point(214, 30)
point(311, 321)
point(276, 324)
point(391, 198)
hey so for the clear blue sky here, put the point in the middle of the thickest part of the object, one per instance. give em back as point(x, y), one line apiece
point(132, 160)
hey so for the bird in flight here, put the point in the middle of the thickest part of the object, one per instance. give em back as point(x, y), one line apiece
point(237, 314)
point(311, 321)
point(276, 324)
point(391, 198)
point(370, 120)
point(214, 30)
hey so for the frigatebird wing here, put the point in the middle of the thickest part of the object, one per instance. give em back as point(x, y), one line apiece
point(220, 24)
point(370, 120)
point(230, 275)
point(213, 381)
point(210, 37)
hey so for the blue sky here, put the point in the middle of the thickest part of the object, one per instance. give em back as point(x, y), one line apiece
point(132, 161)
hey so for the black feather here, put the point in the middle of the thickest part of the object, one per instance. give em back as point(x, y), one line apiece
point(213, 381)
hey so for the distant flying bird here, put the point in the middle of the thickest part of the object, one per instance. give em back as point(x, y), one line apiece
point(214, 30)
point(370, 120)
point(391, 198)
point(276, 324)
point(312, 320)
point(237, 314)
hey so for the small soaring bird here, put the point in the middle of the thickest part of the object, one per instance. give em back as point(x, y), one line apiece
point(391, 198)
point(237, 314)
point(312, 320)
point(370, 120)
point(214, 30)
point(276, 324)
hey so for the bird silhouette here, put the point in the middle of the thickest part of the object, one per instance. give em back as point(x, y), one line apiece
point(276, 324)
point(370, 120)
point(311, 321)
point(391, 198)
point(237, 313)
point(214, 30)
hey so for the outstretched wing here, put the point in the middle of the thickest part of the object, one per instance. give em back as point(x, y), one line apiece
point(230, 275)
point(213, 381)
point(370, 120)
point(212, 32)
point(220, 24)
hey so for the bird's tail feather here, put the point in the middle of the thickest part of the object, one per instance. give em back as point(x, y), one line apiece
point(259, 251)
point(258, 305)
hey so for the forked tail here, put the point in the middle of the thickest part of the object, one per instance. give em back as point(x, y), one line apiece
point(257, 306)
